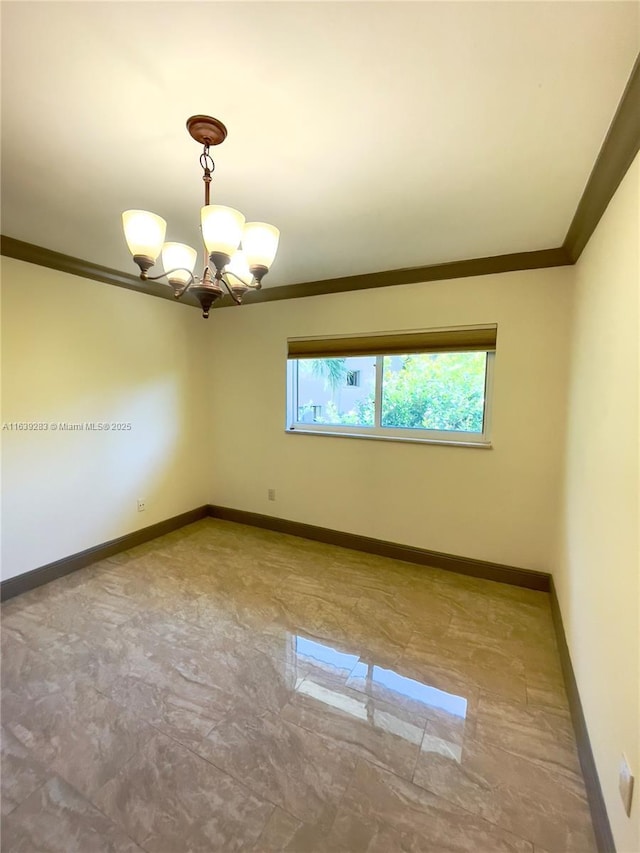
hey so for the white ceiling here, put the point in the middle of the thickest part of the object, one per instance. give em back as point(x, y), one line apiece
point(375, 135)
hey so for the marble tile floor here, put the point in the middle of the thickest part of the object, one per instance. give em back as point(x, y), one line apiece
point(225, 688)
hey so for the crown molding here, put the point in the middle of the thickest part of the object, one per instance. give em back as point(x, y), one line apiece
point(40, 256)
point(32, 254)
point(618, 151)
point(415, 275)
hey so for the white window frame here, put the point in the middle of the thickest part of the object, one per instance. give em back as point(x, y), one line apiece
point(377, 431)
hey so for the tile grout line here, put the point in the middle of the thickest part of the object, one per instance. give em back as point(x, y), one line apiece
point(264, 828)
point(31, 793)
point(87, 799)
point(157, 731)
point(468, 811)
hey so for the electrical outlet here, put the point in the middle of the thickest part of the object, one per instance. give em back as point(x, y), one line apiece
point(625, 784)
point(271, 494)
point(141, 504)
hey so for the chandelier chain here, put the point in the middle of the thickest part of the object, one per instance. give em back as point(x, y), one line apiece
point(206, 161)
point(208, 166)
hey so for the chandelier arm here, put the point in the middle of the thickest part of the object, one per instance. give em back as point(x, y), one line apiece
point(237, 300)
point(146, 277)
point(242, 281)
point(178, 294)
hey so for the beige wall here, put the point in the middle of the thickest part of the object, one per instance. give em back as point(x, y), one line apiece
point(598, 564)
point(76, 350)
point(497, 504)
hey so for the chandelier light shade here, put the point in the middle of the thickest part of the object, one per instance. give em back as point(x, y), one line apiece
point(260, 243)
point(221, 228)
point(236, 256)
point(180, 261)
point(144, 233)
point(239, 266)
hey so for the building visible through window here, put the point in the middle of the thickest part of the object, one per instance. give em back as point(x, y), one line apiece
point(309, 414)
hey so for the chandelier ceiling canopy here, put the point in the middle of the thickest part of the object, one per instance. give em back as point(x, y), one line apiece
point(237, 254)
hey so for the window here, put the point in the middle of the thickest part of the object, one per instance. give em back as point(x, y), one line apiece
point(420, 386)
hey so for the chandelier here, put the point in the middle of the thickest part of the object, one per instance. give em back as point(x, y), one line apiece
point(237, 254)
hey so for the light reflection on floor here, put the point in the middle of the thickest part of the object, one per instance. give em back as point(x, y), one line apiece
point(324, 654)
point(363, 677)
point(431, 697)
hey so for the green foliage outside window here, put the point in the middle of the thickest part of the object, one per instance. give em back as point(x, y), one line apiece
point(437, 391)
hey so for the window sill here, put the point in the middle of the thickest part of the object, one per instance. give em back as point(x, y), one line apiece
point(484, 445)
